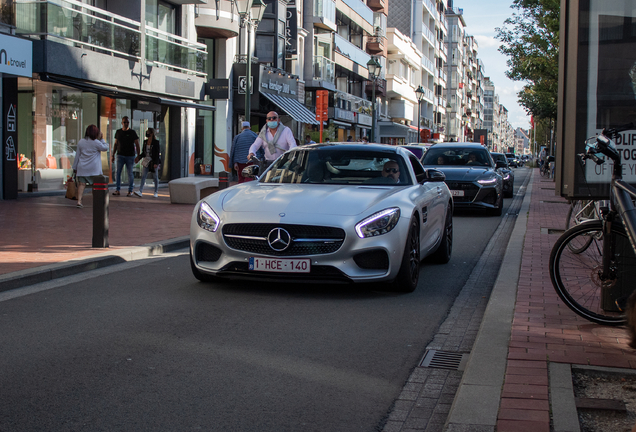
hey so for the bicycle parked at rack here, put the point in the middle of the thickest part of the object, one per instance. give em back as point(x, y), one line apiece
point(583, 211)
point(593, 264)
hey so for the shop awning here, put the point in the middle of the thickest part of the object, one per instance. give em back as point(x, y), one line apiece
point(118, 92)
point(293, 108)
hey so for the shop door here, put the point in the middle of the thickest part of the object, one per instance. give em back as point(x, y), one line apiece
point(141, 121)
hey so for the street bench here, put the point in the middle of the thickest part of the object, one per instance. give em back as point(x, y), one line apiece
point(189, 190)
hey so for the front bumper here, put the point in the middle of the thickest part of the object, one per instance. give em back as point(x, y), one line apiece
point(475, 195)
point(212, 254)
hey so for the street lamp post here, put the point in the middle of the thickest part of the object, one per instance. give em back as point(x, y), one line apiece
point(374, 70)
point(251, 13)
point(420, 97)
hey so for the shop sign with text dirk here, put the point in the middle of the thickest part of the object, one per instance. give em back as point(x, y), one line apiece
point(291, 29)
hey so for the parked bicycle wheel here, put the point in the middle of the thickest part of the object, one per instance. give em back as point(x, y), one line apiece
point(576, 276)
point(580, 211)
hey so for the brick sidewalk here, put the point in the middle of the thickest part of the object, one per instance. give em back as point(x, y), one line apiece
point(544, 329)
point(37, 231)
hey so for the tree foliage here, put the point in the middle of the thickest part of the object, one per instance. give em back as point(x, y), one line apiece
point(530, 40)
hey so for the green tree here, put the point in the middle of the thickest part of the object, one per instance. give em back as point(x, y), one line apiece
point(530, 40)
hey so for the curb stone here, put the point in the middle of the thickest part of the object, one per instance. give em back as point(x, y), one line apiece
point(49, 272)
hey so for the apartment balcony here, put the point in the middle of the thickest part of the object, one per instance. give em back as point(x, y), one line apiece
point(325, 14)
point(428, 34)
point(401, 109)
point(217, 20)
point(324, 69)
point(380, 87)
point(428, 65)
point(77, 24)
point(442, 75)
point(429, 5)
point(358, 12)
point(377, 45)
point(378, 6)
point(350, 56)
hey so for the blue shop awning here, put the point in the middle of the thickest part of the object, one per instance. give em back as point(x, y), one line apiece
point(293, 108)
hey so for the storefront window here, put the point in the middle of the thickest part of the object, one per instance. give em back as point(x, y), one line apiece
point(53, 119)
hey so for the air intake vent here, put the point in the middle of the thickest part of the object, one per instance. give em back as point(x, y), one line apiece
point(444, 360)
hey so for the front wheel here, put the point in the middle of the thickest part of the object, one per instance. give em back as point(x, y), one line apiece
point(578, 278)
point(409, 274)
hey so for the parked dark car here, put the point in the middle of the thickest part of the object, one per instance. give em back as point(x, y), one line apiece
point(503, 167)
point(471, 175)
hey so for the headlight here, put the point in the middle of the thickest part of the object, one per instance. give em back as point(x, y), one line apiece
point(490, 181)
point(378, 223)
point(506, 176)
point(207, 219)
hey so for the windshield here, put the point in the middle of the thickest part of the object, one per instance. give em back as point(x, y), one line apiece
point(457, 156)
point(329, 166)
point(499, 157)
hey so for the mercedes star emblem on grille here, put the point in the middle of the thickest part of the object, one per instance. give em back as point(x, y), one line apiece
point(279, 239)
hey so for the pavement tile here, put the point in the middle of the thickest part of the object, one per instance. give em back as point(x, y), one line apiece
point(522, 426)
point(527, 379)
point(527, 404)
point(524, 415)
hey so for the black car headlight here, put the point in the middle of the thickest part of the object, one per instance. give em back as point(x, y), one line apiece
point(207, 219)
point(378, 223)
point(506, 176)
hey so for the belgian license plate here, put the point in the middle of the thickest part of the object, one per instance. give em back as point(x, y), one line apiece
point(282, 265)
point(457, 193)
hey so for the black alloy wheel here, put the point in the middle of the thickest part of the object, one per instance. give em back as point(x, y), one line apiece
point(409, 274)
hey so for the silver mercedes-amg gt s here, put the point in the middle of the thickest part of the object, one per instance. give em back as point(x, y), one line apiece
point(352, 213)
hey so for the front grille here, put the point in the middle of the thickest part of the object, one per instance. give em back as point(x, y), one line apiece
point(208, 253)
point(305, 239)
point(465, 186)
point(470, 191)
point(372, 260)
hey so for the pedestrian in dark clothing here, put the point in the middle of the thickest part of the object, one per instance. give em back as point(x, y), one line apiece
point(240, 149)
point(150, 161)
point(126, 146)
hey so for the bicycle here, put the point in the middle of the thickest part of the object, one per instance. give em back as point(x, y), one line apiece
point(544, 169)
point(582, 211)
point(596, 281)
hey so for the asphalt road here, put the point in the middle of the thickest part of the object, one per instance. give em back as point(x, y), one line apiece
point(146, 347)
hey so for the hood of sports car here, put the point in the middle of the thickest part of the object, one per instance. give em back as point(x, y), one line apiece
point(343, 200)
point(464, 173)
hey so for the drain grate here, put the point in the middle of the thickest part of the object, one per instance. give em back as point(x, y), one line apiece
point(444, 360)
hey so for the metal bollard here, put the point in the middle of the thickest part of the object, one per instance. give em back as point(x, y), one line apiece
point(224, 180)
point(100, 211)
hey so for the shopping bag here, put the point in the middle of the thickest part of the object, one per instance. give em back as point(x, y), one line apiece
point(71, 189)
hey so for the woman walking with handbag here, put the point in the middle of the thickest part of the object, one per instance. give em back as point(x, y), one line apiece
point(88, 160)
point(150, 161)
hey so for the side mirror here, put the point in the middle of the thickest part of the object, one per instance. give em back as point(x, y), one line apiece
point(433, 175)
point(501, 164)
point(251, 171)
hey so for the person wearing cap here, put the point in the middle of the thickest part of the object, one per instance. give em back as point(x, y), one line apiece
point(240, 148)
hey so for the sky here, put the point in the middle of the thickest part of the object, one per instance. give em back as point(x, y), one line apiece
point(482, 17)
